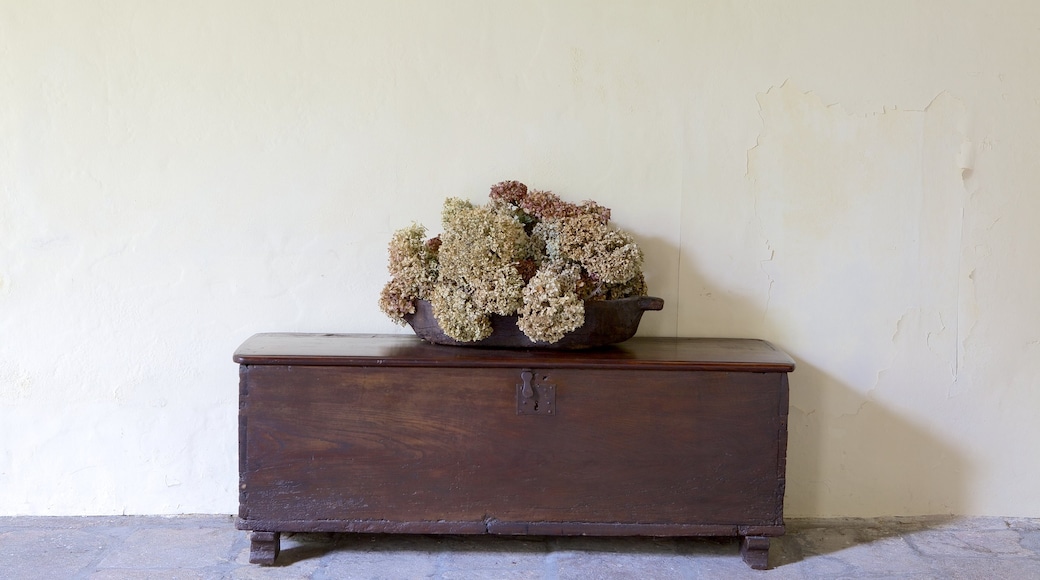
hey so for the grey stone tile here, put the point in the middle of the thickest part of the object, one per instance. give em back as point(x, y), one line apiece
point(1030, 541)
point(596, 566)
point(350, 564)
point(578, 557)
point(811, 568)
point(969, 543)
point(132, 548)
point(938, 523)
point(370, 559)
point(123, 574)
point(80, 522)
point(894, 526)
point(729, 566)
point(48, 522)
point(979, 523)
point(172, 548)
point(990, 569)
point(493, 558)
point(883, 556)
point(294, 548)
point(504, 572)
point(49, 553)
point(1023, 524)
point(188, 521)
point(294, 571)
point(299, 558)
point(785, 550)
point(828, 540)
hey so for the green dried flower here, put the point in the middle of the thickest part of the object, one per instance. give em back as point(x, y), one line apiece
point(552, 307)
point(609, 255)
point(634, 287)
point(457, 314)
point(480, 249)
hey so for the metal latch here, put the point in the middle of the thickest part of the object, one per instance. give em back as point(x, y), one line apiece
point(534, 398)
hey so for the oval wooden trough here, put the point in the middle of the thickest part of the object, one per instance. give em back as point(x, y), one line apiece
point(606, 322)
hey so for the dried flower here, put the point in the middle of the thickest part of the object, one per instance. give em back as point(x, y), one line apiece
point(396, 301)
point(479, 250)
point(527, 268)
point(609, 255)
point(413, 268)
point(526, 253)
point(457, 314)
point(552, 307)
point(508, 191)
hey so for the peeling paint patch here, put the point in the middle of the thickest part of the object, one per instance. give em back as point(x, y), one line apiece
point(15, 384)
point(862, 218)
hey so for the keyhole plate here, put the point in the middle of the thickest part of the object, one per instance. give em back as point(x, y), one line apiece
point(543, 401)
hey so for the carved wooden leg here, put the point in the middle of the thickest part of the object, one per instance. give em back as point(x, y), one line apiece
point(263, 547)
point(755, 551)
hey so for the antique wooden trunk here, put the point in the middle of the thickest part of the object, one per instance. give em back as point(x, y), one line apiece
point(378, 433)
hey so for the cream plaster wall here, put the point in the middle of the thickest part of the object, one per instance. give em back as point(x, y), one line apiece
point(855, 181)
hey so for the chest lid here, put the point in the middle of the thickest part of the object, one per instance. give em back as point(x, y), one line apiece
point(392, 350)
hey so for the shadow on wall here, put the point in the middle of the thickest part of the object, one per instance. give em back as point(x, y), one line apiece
point(660, 257)
point(847, 454)
point(869, 462)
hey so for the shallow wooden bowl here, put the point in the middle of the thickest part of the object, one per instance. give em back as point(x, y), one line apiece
point(606, 322)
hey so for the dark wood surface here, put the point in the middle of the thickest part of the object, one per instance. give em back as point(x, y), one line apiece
point(721, 354)
point(358, 433)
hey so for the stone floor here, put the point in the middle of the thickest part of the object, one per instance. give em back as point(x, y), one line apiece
point(134, 548)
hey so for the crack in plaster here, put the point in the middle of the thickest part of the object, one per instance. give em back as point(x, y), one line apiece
point(932, 334)
point(858, 408)
point(895, 337)
point(965, 296)
point(772, 281)
point(761, 226)
point(948, 125)
point(967, 309)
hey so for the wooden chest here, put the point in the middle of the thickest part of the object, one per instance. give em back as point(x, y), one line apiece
point(386, 433)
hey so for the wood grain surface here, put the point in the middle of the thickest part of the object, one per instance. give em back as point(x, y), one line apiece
point(390, 434)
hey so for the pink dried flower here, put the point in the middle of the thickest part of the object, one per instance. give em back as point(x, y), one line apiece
point(413, 269)
point(511, 192)
point(544, 205)
point(433, 244)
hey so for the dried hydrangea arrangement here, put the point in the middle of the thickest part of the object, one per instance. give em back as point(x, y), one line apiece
point(526, 253)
